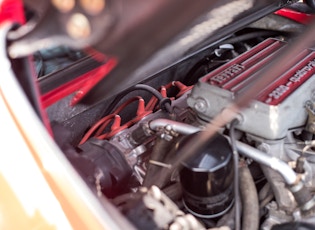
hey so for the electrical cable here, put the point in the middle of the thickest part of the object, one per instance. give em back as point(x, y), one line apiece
point(165, 103)
point(99, 127)
point(116, 126)
point(182, 88)
point(236, 173)
point(117, 111)
point(95, 127)
point(249, 36)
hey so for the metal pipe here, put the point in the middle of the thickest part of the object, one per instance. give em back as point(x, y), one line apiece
point(175, 126)
point(276, 164)
point(236, 174)
point(303, 197)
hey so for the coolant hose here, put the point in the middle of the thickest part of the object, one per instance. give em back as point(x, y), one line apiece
point(160, 150)
point(249, 197)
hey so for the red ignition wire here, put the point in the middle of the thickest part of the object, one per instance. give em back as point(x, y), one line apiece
point(126, 103)
point(153, 101)
point(163, 90)
point(95, 127)
point(182, 88)
point(116, 111)
point(116, 126)
point(142, 111)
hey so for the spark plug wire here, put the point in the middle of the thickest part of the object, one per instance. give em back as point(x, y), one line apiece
point(97, 130)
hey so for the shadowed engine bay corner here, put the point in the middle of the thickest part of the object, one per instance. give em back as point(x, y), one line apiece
point(200, 118)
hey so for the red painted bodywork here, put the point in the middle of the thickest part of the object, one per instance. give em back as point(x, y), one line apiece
point(12, 11)
point(299, 17)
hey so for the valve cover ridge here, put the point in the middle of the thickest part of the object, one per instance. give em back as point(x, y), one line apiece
point(267, 115)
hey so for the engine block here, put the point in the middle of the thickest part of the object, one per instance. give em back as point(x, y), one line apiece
point(276, 109)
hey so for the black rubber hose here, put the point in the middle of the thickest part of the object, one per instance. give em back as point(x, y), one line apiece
point(160, 150)
point(249, 197)
point(165, 103)
point(249, 36)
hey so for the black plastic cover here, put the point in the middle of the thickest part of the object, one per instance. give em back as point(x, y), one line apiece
point(99, 158)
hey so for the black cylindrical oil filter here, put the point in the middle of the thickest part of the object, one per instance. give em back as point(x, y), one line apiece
point(207, 179)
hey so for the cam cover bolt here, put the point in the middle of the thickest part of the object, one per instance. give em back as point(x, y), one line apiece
point(200, 105)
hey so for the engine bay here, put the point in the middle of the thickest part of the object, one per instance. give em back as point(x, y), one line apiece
point(257, 171)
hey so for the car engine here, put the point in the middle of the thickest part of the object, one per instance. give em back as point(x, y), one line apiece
point(123, 153)
point(257, 171)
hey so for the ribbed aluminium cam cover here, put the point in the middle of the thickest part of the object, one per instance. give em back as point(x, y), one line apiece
point(277, 108)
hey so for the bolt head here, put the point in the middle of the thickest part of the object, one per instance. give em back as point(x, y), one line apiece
point(201, 105)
